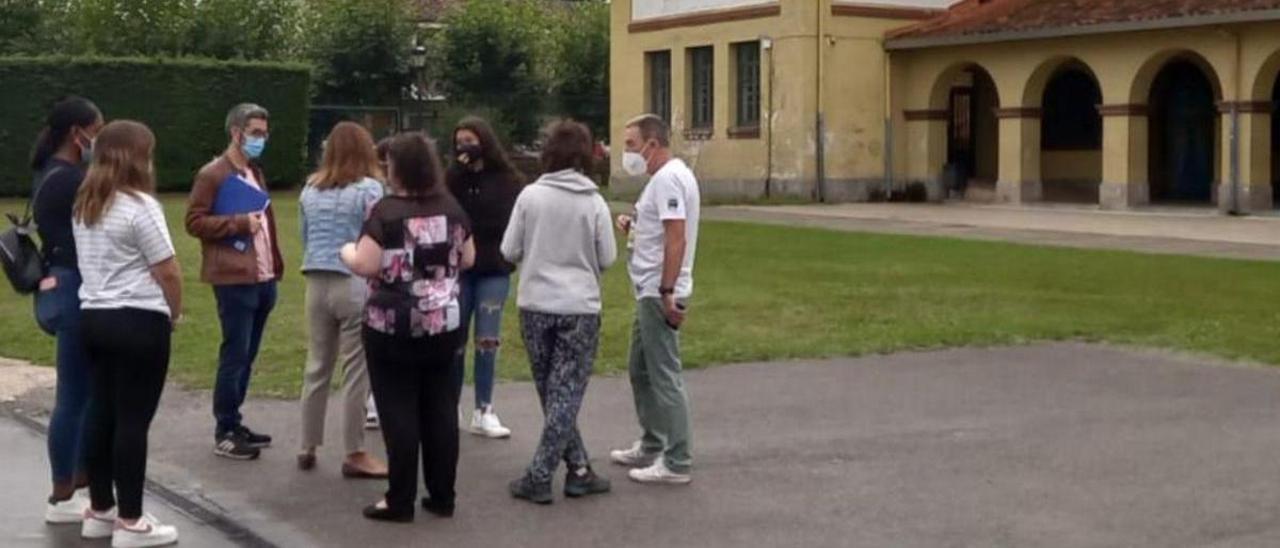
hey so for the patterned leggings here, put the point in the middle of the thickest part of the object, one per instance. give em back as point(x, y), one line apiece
point(562, 351)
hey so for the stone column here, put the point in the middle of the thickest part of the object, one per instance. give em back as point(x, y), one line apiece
point(927, 149)
point(1019, 180)
point(1124, 157)
point(1254, 161)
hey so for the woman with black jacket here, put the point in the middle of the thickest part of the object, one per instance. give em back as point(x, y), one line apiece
point(59, 159)
point(486, 185)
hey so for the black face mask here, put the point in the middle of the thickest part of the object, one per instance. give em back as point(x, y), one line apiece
point(468, 155)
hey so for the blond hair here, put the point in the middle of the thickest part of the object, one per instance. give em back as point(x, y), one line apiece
point(349, 156)
point(121, 163)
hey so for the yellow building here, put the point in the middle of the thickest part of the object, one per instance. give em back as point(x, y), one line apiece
point(1121, 103)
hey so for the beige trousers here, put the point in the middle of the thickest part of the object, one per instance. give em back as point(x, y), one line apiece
point(335, 314)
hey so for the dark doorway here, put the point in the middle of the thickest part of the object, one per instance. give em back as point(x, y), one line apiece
point(1071, 136)
point(972, 127)
point(1275, 143)
point(1184, 135)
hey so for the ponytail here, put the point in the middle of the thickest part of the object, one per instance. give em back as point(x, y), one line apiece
point(43, 150)
point(67, 114)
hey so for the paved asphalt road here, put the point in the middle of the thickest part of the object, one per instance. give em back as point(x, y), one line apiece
point(1060, 445)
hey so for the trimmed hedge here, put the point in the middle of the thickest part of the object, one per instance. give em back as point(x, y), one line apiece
point(184, 101)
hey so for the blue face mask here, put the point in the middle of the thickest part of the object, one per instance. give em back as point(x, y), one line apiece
point(253, 147)
point(86, 152)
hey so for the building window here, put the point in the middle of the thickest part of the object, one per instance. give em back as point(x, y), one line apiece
point(659, 69)
point(701, 88)
point(747, 86)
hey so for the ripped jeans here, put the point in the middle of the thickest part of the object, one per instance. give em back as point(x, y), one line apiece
point(483, 296)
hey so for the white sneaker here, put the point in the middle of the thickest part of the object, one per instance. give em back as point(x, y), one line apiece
point(634, 457)
point(67, 511)
point(484, 422)
point(659, 474)
point(98, 524)
point(371, 421)
point(144, 533)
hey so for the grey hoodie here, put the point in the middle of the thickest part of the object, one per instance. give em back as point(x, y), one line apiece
point(561, 235)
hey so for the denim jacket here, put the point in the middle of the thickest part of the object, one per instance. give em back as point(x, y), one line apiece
point(332, 218)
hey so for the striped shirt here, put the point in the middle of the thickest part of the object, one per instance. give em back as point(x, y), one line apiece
point(116, 255)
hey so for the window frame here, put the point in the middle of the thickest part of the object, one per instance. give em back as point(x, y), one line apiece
point(748, 89)
point(702, 89)
point(658, 83)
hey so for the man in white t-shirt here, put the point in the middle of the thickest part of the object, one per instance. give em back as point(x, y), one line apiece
point(664, 235)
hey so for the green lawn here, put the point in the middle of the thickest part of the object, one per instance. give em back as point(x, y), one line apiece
point(768, 293)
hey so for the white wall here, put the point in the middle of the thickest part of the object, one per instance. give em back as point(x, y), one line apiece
point(901, 3)
point(645, 9)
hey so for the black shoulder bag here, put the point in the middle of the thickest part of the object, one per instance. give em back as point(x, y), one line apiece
point(19, 253)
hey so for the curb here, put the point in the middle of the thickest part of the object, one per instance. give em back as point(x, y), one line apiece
point(236, 533)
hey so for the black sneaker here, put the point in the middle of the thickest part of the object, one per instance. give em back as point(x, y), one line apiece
point(588, 483)
point(255, 439)
point(234, 446)
point(524, 488)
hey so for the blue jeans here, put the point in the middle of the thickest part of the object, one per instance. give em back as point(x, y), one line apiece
point(243, 312)
point(490, 292)
point(58, 312)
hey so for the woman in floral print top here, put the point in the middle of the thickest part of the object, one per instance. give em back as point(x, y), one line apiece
point(415, 244)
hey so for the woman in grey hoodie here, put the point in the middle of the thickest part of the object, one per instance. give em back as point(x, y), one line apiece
point(561, 235)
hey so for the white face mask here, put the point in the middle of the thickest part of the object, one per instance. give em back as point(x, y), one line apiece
point(634, 164)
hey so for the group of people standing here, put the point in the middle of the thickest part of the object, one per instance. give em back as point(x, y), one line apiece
point(401, 257)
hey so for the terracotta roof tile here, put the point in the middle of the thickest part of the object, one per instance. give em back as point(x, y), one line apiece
point(971, 17)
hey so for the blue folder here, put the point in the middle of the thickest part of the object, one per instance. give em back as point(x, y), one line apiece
point(237, 196)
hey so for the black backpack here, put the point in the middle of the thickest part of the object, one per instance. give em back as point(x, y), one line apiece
point(19, 253)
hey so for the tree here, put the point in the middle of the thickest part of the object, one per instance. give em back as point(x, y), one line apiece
point(360, 49)
point(495, 56)
point(245, 29)
point(130, 27)
point(581, 69)
point(21, 24)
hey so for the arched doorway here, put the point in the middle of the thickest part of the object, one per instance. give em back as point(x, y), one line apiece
point(1275, 143)
point(1071, 136)
point(1184, 130)
point(973, 144)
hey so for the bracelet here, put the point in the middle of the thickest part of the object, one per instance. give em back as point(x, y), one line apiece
point(664, 291)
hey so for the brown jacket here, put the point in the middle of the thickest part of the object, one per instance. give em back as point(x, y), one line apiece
point(222, 264)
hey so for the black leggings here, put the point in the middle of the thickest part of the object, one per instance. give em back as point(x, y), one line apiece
point(128, 351)
point(418, 407)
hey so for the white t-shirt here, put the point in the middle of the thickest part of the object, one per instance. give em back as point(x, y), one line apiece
point(672, 194)
point(116, 255)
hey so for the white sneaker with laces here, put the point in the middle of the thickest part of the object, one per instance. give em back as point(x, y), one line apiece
point(659, 474)
point(634, 457)
point(98, 524)
point(484, 422)
point(146, 532)
point(67, 511)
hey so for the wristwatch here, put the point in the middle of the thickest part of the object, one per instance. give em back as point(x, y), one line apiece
point(664, 291)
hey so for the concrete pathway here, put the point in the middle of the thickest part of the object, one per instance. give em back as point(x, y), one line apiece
point(1171, 231)
point(24, 483)
point(1060, 445)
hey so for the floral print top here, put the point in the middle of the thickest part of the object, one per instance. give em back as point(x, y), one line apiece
point(416, 292)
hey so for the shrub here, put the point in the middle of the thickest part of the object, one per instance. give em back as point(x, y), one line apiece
point(185, 102)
